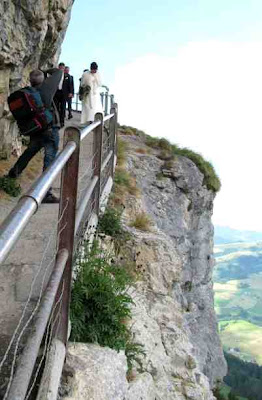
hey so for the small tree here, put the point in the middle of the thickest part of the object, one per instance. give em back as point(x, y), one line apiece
point(232, 396)
point(218, 394)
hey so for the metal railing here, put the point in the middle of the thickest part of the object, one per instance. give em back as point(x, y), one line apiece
point(106, 99)
point(71, 225)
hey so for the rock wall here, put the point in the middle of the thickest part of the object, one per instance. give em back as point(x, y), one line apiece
point(31, 33)
point(173, 313)
point(181, 208)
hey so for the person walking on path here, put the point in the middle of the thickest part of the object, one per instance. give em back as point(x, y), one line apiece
point(68, 91)
point(63, 92)
point(48, 139)
point(91, 102)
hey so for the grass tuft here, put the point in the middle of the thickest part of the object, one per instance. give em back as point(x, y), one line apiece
point(121, 152)
point(141, 222)
point(141, 150)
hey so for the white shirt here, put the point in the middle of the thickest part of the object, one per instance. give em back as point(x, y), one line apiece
point(60, 86)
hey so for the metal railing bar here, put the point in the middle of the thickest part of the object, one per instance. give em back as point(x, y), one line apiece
point(106, 160)
point(27, 205)
point(40, 187)
point(27, 361)
point(107, 117)
point(81, 209)
point(89, 129)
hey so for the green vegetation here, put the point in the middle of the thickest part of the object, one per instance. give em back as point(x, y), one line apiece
point(122, 178)
point(110, 222)
point(211, 179)
point(238, 298)
point(244, 379)
point(141, 222)
point(238, 303)
point(121, 152)
point(100, 303)
point(10, 186)
point(124, 183)
point(129, 130)
point(243, 336)
point(168, 150)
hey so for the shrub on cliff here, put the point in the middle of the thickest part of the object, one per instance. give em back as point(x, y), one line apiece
point(100, 304)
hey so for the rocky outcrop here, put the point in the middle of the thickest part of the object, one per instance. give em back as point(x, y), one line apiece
point(31, 33)
point(181, 208)
point(93, 372)
point(173, 314)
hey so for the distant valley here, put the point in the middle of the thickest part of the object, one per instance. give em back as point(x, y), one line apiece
point(238, 292)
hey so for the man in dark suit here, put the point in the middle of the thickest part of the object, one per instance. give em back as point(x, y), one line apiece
point(70, 95)
point(63, 92)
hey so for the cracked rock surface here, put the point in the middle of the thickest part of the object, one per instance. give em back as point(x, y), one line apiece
point(31, 34)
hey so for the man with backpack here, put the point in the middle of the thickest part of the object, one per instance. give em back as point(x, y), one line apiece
point(41, 125)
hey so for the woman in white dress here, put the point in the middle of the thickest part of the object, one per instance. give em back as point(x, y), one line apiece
point(91, 102)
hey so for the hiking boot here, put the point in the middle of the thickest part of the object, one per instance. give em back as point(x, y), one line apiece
point(50, 199)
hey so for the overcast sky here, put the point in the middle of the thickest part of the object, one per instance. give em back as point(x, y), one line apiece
point(190, 71)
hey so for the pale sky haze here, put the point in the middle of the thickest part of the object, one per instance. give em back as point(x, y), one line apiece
point(190, 71)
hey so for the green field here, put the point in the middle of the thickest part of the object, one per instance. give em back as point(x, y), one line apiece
point(244, 338)
point(238, 298)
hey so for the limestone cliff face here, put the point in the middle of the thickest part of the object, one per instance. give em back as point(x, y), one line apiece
point(181, 208)
point(173, 313)
point(31, 33)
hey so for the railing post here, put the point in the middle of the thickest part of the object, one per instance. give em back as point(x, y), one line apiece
point(66, 226)
point(106, 103)
point(77, 102)
point(111, 100)
point(102, 98)
point(112, 136)
point(97, 160)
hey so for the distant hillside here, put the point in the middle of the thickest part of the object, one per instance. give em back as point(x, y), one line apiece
point(224, 234)
point(238, 291)
point(244, 378)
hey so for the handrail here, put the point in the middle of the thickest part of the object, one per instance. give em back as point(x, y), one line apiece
point(108, 117)
point(26, 363)
point(70, 219)
point(27, 205)
point(89, 129)
point(106, 98)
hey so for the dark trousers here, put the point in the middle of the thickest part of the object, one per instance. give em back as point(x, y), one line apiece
point(49, 142)
point(69, 106)
point(60, 103)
